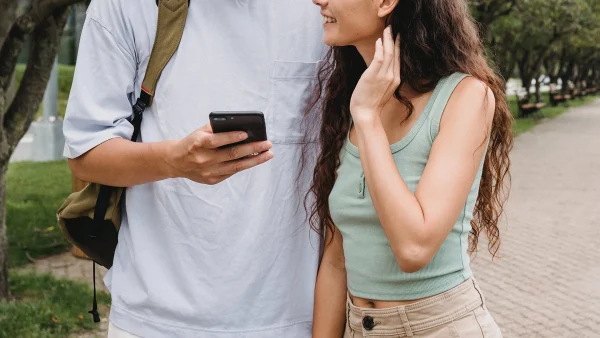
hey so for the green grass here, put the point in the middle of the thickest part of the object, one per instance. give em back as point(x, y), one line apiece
point(34, 193)
point(65, 78)
point(523, 124)
point(41, 305)
point(47, 307)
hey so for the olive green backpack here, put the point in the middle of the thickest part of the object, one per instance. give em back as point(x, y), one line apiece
point(90, 219)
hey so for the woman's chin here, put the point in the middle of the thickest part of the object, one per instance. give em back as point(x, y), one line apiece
point(330, 41)
point(335, 39)
point(331, 34)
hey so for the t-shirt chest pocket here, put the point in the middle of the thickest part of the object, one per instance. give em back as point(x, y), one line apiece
point(291, 87)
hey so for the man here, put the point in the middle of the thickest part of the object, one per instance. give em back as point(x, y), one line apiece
point(202, 252)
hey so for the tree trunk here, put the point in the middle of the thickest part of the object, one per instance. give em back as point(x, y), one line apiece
point(567, 76)
point(524, 72)
point(7, 17)
point(576, 73)
point(550, 66)
point(591, 77)
point(46, 40)
point(507, 67)
point(505, 55)
point(45, 22)
point(3, 239)
point(563, 60)
point(584, 72)
point(538, 84)
point(529, 70)
point(554, 65)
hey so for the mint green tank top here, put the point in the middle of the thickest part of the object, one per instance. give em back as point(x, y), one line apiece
point(372, 270)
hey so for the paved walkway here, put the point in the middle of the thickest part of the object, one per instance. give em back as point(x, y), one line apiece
point(547, 282)
point(68, 266)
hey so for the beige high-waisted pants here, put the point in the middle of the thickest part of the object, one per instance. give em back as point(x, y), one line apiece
point(457, 313)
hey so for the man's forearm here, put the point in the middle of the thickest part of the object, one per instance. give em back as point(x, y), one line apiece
point(122, 163)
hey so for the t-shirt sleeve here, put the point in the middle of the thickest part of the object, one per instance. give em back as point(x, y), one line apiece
point(100, 100)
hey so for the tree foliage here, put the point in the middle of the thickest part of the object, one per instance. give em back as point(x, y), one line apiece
point(557, 39)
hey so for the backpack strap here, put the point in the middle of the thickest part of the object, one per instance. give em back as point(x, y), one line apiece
point(172, 15)
point(171, 21)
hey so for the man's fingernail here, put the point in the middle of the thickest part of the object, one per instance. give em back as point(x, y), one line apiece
point(242, 136)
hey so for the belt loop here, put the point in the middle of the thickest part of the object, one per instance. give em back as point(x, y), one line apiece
point(405, 323)
point(348, 327)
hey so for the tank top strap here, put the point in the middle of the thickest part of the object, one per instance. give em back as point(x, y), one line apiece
point(447, 86)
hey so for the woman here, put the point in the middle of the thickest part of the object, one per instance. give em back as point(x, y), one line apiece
point(415, 139)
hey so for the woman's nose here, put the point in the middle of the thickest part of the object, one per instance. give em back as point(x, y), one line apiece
point(320, 3)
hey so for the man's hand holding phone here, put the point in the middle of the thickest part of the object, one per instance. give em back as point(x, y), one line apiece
point(203, 156)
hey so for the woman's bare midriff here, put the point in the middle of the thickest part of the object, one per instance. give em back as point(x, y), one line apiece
point(380, 304)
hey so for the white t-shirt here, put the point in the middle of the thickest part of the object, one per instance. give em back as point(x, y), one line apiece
point(232, 260)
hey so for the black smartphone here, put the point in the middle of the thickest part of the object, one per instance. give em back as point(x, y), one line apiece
point(251, 122)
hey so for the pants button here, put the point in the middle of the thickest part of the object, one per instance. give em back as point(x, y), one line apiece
point(368, 323)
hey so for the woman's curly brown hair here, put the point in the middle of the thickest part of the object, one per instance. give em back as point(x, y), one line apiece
point(438, 38)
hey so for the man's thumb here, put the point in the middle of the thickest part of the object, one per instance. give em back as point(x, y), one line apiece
point(206, 128)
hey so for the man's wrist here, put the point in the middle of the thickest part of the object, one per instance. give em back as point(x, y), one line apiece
point(161, 154)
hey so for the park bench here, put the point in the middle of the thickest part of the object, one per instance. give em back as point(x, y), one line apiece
point(574, 91)
point(557, 97)
point(588, 89)
point(525, 107)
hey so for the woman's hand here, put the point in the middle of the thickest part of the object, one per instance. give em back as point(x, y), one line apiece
point(379, 82)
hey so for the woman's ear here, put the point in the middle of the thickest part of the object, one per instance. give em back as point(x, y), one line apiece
point(386, 7)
